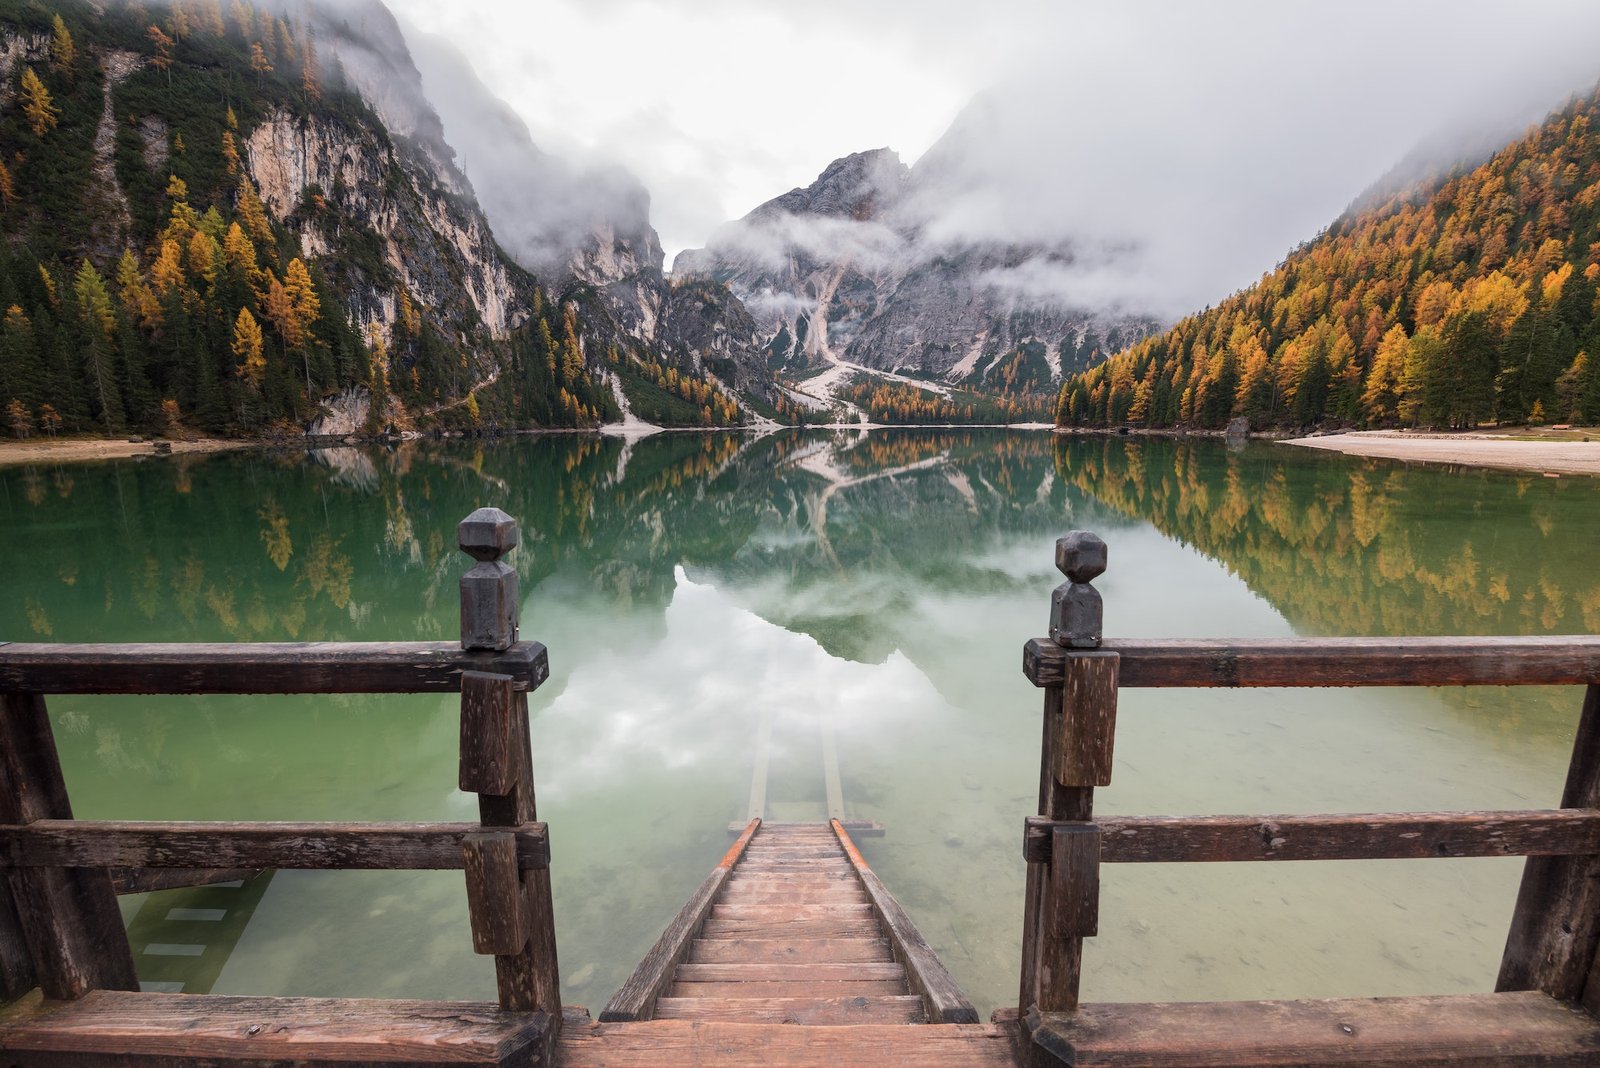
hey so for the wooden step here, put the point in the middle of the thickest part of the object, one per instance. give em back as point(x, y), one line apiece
point(863, 926)
point(783, 893)
point(1462, 1031)
point(113, 1027)
point(809, 911)
point(788, 950)
point(712, 1044)
point(790, 988)
point(825, 1011)
point(732, 973)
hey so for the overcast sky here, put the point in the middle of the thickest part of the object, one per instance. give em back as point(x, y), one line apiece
point(1208, 138)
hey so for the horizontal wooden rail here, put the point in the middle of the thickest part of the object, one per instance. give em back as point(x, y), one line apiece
point(261, 668)
point(141, 844)
point(1373, 836)
point(1566, 660)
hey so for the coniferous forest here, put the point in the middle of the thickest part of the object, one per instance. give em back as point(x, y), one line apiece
point(180, 304)
point(1460, 300)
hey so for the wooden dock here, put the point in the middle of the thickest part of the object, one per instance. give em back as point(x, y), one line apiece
point(792, 952)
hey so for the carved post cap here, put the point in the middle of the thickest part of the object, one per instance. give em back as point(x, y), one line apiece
point(489, 599)
point(1081, 556)
point(487, 534)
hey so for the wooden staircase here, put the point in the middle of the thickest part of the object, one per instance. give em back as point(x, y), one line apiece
point(792, 928)
point(792, 938)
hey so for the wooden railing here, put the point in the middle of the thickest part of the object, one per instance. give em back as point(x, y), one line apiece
point(60, 927)
point(1555, 929)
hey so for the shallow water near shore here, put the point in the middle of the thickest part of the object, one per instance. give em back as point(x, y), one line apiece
point(687, 586)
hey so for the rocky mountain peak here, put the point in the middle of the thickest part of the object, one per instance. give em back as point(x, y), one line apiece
point(858, 186)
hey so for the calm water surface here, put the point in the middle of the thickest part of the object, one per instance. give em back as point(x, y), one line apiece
point(689, 585)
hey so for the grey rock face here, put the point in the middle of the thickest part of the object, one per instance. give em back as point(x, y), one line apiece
point(849, 266)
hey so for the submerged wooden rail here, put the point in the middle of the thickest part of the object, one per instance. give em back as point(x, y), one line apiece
point(1549, 981)
point(60, 927)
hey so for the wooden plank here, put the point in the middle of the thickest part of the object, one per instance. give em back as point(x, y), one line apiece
point(789, 951)
point(262, 667)
point(1470, 661)
point(636, 998)
point(836, 1011)
point(1356, 836)
point(924, 970)
point(1083, 749)
point(149, 880)
point(734, 973)
point(709, 1043)
point(17, 976)
point(168, 1030)
point(1476, 1030)
point(794, 927)
point(1555, 927)
point(1075, 881)
point(791, 988)
point(67, 916)
point(495, 901)
point(488, 737)
point(160, 844)
point(846, 910)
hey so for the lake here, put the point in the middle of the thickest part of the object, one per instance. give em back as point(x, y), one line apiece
point(690, 585)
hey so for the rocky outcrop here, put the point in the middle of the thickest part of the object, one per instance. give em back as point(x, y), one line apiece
point(847, 268)
point(584, 230)
point(343, 414)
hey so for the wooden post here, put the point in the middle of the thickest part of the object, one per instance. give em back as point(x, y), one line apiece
point(67, 916)
point(1555, 929)
point(1062, 896)
point(512, 914)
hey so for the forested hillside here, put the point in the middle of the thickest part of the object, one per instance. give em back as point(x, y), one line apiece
point(1460, 300)
point(160, 273)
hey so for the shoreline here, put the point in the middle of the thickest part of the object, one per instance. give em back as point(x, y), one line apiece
point(14, 453)
point(88, 450)
point(1553, 457)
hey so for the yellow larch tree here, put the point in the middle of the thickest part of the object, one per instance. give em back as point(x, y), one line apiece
point(63, 52)
point(40, 110)
point(248, 349)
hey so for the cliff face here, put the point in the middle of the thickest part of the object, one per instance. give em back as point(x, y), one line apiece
point(584, 229)
point(846, 269)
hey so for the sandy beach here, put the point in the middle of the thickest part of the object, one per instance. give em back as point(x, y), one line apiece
point(1554, 453)
point(69, 450)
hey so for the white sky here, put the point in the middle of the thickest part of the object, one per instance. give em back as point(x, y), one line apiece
point(1212, 137)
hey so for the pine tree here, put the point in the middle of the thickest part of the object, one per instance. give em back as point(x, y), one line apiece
point(37, 105)
point(8, 188)
point(247, 349)
point(99, 323)
point(165, 48)
point(230, 154)
point(310, 79)
point(253, 212)
point(259, 62)
point(63, 53)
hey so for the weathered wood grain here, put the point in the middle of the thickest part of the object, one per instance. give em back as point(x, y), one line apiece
point(68, 918)
point(1356, 836)
point(1555, 927)
point(494, 893)
point(636, 998)
point(261, 668)
point(151, 844)
point(789, 950)
point(148, 880)
point(790, 988)
point(1475, 1030)
point(1513, 661)
point(488, 762)
point(709, 1043)
point(742, 973)
point(1086, 738)
point(832, 1011)
point(926, 973)
point(16, 962)
point(793, 927)
point(1075, 880)
point(109, 1028)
